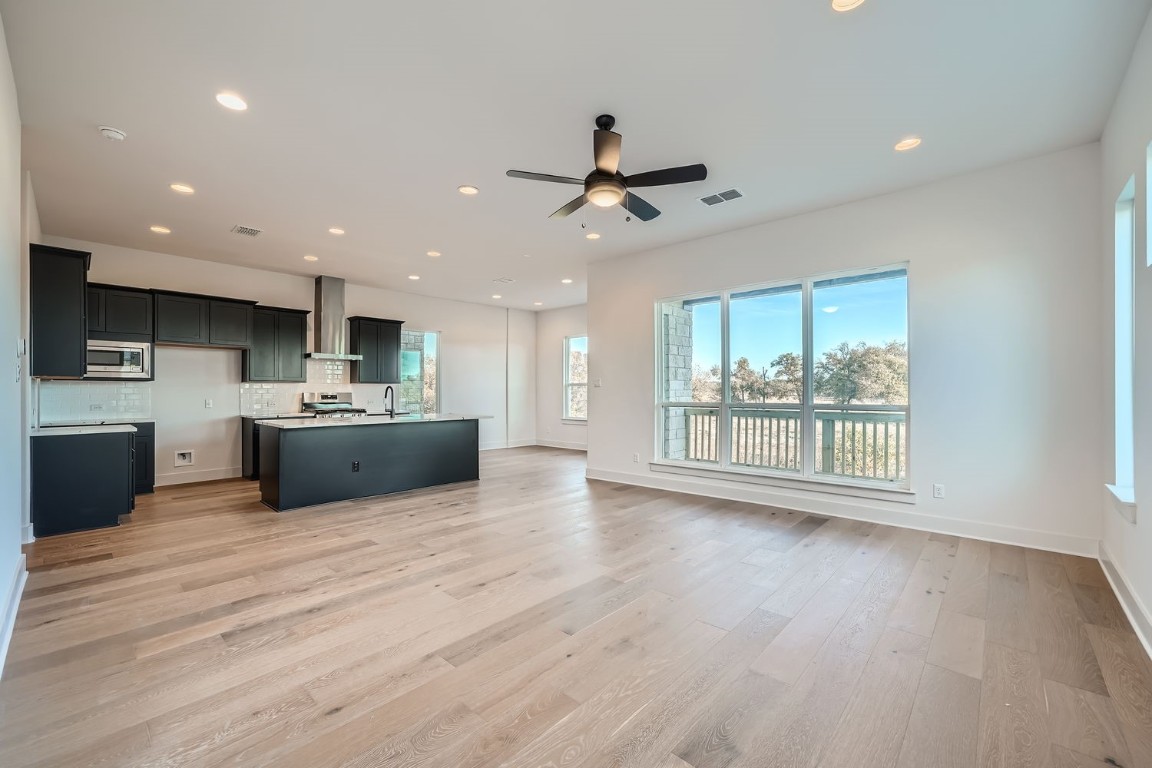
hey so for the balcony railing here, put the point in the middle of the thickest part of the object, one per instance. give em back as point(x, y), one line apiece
point(869, 445)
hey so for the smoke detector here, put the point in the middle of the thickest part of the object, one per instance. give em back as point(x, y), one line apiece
point(240, 229)
point(112, 134)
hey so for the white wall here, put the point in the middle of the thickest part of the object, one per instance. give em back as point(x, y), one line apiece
point(1004, 306)
point(185, 378)
point(12, 438)
point(1125, 148)
point(475, 339)
point(552, 327)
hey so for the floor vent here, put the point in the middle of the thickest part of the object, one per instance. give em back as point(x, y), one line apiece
point(722, 197)
point(246, 231)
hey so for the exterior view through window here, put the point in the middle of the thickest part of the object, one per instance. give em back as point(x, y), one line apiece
point(419, 384)
point(803, 378)
point(576, 377)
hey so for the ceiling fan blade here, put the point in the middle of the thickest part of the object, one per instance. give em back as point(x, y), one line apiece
point(572, 207)
point(544, 177)
point(639, 207)
point(681, 175)
point(606, 148)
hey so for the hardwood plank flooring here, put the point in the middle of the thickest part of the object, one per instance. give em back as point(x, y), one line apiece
point(537, 618)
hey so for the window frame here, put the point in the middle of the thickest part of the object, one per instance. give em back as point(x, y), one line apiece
point(439, 371)
point(806, 475)
point(565, 416)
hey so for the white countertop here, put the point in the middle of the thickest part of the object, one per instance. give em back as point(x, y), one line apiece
point(363, 421)
point(95, 422)
point(89, 429)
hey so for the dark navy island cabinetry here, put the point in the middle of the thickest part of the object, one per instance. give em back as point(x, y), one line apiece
point(309, 462)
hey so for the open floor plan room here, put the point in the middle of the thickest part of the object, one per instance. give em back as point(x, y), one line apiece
point(535, 618)
point(646, 384)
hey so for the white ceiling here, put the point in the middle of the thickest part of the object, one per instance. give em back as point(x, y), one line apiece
point(367, 115)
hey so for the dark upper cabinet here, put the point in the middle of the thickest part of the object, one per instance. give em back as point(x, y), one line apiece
point(229, 324)
point(184, 318)
point(279, 337)
point(58, 294)
point(119, 314)
point(378, 341)
point(181, 319)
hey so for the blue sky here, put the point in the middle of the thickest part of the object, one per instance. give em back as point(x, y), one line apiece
point(765, 326)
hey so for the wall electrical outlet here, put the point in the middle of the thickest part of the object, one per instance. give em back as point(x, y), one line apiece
point(635, 458)
point(184, 458)
point(207, 403)
point(937, 491)
point(96, 407)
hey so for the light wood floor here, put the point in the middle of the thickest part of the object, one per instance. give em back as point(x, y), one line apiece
point(535, 618)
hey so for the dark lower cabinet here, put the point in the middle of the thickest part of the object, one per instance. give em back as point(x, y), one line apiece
point(80, 481)
point(279, 341)
point(250, 443)
point(144, 470)
point(378, 341)
point(117, 313)
point(58, 293)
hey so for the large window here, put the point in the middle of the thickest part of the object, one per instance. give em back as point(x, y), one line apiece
point(576, 377)
point(807, 378)
point(1125, 337)
point(419, 382)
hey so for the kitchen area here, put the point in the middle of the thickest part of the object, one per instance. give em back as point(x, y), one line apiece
point(136, 387)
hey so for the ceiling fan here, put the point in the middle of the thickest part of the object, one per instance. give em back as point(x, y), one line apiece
point(605, 186)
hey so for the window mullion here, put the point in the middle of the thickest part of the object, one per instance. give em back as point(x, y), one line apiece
point(808, 419)
point(724, 449)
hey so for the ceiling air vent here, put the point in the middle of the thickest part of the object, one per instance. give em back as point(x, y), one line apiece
point(246, 231)
point(722, 197)
point(504, 280)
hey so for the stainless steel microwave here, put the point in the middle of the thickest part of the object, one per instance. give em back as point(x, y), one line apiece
point(119, 360)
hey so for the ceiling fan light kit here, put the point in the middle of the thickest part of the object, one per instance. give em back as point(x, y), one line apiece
point(605, 186)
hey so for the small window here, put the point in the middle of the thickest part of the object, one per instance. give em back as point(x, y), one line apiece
point(1125, 336)
point(576, 377)
point(419, 382)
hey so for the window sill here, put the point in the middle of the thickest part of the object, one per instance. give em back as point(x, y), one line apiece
point(575, 422)
point(1123, 500)
point(863, 490)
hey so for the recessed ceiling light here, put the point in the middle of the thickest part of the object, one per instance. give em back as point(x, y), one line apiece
point(566, 280)
point(231, 101)
point(537, 303)
point(336, 230)
point(468, 189)
point(497, 296)
point(160, 230)
point(527, 255)
point(310, 257)
point(182, 189)
point(592, 236)
point(846, 5)
point(906, 144)
point(434, 254)
point(413, 277)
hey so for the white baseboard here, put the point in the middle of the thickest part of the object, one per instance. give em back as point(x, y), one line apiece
point(11, 605)
point(197, 476)
point(521, 443)
point(563, 444)
point(1138, 613)
point(840, 506)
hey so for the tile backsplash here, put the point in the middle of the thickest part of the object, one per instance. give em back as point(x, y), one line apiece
point(62, 401)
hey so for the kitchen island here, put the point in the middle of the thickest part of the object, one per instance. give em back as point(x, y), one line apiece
point(304, 462)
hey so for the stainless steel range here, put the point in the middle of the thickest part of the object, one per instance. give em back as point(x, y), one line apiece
point(330, 405)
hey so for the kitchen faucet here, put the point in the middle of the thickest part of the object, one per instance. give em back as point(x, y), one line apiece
point(390, 399)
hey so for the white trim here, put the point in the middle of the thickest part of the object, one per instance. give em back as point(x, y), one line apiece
point(575, 422)
point(1138, 614)
point(11, 606)
point(860, 509)
point(27, 535)
point(1123, 500)
point(563, 444)
point(197, 476)
point(521, 443)
point(863, 490)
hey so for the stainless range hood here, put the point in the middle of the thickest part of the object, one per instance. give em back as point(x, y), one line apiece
point(330, 327)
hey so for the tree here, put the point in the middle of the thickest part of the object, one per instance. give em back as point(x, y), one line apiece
point(788, 381)
point(863, 373)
